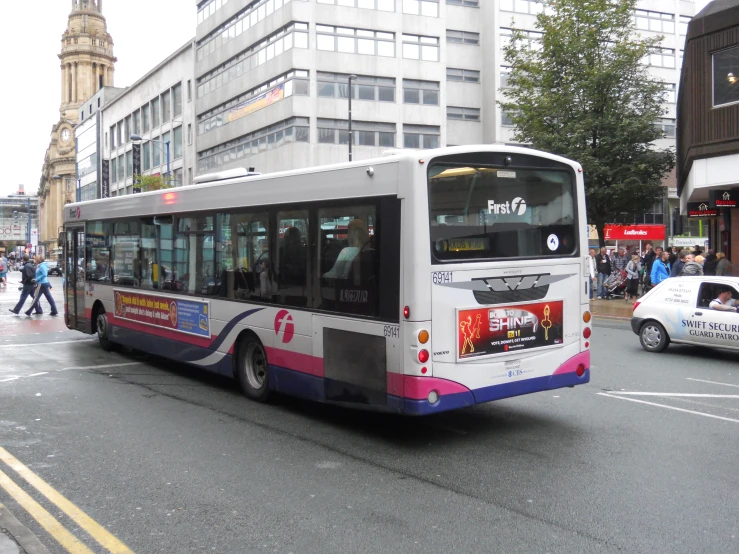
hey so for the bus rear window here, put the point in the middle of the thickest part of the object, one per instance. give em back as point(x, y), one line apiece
point(491, 213)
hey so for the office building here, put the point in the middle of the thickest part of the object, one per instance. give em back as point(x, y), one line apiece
point(272, 76)
point(158, 109)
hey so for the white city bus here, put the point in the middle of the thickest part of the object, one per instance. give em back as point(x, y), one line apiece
point(415, 283)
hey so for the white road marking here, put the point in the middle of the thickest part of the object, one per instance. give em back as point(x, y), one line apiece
point(45, 343)
point(712, 382)
point(678, 394)
point(669, 407)
point(37, 374)
point(9, 379)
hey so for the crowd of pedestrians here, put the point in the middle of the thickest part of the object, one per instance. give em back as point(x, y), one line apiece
point(639, 271)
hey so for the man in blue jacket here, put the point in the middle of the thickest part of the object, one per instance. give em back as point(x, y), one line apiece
point(42, 282)
point(660, 269)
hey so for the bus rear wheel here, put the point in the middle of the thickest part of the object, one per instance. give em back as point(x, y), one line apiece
point(252, 369)
point(101, 323)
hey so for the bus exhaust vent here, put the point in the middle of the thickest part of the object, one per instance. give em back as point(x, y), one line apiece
point(505, 297)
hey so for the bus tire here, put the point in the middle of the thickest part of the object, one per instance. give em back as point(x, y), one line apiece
point(653, 337)
point(101, 326)
point(252, 369)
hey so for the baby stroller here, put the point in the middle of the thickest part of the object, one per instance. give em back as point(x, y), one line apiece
point(615, 285)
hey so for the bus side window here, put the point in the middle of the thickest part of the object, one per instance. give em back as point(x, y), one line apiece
point(247, 272)
point(348, 259)
point(292, 263)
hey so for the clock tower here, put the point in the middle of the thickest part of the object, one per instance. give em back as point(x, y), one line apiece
point(87, 65)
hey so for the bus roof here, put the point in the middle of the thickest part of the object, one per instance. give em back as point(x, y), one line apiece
point(297, 185)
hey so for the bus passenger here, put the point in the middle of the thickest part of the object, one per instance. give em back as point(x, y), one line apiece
point(358, 240)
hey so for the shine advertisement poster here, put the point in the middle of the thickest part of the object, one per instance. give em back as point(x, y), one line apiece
point(487, 331)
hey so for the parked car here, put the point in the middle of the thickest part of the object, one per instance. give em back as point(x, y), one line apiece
point(54, 268)
point(677, 310)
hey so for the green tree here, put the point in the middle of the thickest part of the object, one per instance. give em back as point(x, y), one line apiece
point(583, 92)
point(147, 183)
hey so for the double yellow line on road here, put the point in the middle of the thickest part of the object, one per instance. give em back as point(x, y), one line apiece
point(71, 543)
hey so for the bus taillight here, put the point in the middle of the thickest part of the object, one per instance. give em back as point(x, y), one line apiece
point(580, 370)
point(406, 312)
point(586, 332)
point(423, 356)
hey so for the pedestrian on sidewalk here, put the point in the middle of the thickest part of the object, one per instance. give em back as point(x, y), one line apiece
point(3, 271)
point(620, 260)
point(724, 267)
point(28, 276)
point(710, 263)
point(660, 269)
point(592, 272)
point(43, 287)
point(603, 263)
point(633, 269)
point(684, 257)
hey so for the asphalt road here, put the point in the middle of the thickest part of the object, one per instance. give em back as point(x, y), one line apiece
point(171, 459)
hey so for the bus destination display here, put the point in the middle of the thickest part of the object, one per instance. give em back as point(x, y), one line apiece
point(487, 331)
point(186, 316)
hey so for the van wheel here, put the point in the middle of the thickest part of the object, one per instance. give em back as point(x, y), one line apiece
point(251, 367)
point(101, 322)
point(653, 337)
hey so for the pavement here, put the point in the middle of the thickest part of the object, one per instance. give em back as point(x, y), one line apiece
point(149, 456)
point(616, 308)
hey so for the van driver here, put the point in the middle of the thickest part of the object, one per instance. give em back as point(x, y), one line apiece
point(724, 302)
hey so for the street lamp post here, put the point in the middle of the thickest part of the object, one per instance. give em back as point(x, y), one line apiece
point(137, 138)
point(351, 78)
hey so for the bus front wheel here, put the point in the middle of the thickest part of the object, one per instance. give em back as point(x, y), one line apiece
point(252, 369)
point(101, 323)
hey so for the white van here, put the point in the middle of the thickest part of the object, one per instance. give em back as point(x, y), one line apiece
point(677, 310)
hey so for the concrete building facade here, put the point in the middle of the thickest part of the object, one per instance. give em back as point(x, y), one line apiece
point(87, 65)
point(272, 76)
point(159, 109)
point(708, 143)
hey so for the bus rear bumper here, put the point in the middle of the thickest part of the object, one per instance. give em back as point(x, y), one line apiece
point(565, 376)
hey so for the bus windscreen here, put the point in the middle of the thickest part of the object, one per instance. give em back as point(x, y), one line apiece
point(493, 213)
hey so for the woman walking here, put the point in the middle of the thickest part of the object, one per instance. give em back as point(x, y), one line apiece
point(42, 287)
point(632, 277)
point(724, 267)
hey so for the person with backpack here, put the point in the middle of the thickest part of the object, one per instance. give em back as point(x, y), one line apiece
point(28, 276)
point(42, 287)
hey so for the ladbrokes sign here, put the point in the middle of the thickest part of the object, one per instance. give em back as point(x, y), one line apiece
point(634, 232)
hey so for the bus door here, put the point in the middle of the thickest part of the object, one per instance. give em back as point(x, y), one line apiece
point(74, 270)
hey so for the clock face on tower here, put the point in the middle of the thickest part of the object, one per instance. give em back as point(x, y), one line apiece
point(66, 135)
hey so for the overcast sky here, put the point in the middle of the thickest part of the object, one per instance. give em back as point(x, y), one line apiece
point(144, 33)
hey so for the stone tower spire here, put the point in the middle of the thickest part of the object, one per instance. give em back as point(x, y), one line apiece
point(88, 63)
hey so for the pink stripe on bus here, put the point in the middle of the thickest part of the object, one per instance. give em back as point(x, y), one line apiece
point(303, 363)
point(418, 388)
point(570, 366)
point(159, 332)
